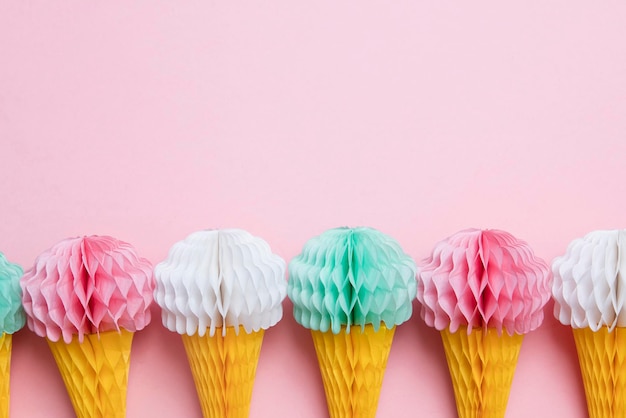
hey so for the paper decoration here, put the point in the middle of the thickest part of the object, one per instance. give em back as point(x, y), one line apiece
point(353, 366)
point(589, 292)
point(95, 372)
point(482, 365)
point(483, 290)
point(218, 279)
point(221, 289)
point(589, 284)
point(348, 277)
point(87, 285)
point(223, 369)
point(12, 319)
point(602, 358)
point(351, 287)
point(483, 279)
point(88, 296)
point(6, 343)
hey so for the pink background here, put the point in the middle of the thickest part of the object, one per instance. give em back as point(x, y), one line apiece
point(147, 120)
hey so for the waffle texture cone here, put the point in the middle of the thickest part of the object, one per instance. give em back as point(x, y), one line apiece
point(601, 355)
point(95, 372)
point(352, 367)
point(482, 364)
point(6, 342)
point(223, 368)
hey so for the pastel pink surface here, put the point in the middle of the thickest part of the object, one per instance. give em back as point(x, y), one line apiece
point(484, 278)
point(147, 120)
point(87, 285)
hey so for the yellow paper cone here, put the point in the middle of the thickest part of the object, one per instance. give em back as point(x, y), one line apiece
point(601, 357)
point(5, 369)
point(482, 365)
point(223, 368)
point(95, 372)
point(352, 367)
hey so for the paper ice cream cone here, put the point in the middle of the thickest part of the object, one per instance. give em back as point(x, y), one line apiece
point(589, 293)
point(88, 296)
point(353, 366)
point(602, 363)
point(95, 372)
point(358, 278)
point(482, 364)
point(223, 368)
point(483, 290)
point(220, 289)
point(5, 368)
point(12, 319)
